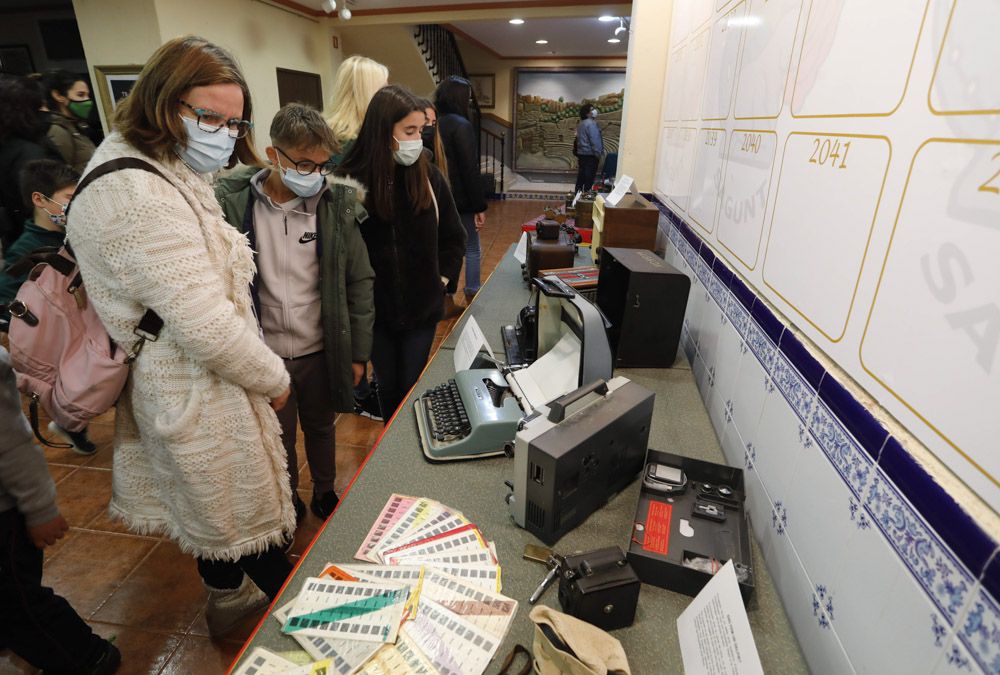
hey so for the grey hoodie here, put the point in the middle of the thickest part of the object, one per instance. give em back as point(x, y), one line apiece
point(25, 483)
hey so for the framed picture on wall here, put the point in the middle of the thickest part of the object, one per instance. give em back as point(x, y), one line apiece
point(547, 104)
point(16, 60)
point(113, 84)
point(485, 89)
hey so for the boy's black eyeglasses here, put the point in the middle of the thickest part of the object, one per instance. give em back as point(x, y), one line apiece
point(211, 121)
point(306, 166)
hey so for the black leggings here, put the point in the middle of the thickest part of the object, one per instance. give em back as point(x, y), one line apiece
point(587, 172)
point(399, 356)
point(268, 570)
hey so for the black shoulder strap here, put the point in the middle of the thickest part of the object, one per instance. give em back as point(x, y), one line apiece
point(110, 167)
point(150, 324)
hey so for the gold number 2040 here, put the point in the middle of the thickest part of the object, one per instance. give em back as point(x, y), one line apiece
point(986, 187)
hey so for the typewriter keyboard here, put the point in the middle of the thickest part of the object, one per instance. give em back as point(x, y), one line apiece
point(446, 413)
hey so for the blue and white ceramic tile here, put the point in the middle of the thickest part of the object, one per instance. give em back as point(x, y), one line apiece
point(727, 369)
point(956, 660)
point(853, 465)
point(820, 522)
point(811, 607)
point(781, 438)
point(978, 632)
point(749, 391)
point(710, 327)
point(734, 448)
point(944, 579)
point(759, 508)
point(695, 309)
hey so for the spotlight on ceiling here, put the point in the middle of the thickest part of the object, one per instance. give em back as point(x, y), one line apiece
point(606, 18)
point(541, 42)
point(516, 22)
point(329, 6)
point(614, 41)
point(345, 14)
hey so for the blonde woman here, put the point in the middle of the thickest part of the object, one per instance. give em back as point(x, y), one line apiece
point(357, 80)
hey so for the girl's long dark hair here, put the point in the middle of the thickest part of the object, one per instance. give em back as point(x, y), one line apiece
point(370, 158)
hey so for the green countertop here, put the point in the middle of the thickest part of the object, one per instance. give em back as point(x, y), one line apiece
point(680, 425)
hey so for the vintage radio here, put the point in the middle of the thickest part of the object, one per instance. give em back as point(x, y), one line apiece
point(546, 254)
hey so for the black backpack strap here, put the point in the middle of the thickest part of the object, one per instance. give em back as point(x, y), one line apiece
point(150, 324)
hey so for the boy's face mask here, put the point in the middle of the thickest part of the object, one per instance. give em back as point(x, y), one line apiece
point(56, 218)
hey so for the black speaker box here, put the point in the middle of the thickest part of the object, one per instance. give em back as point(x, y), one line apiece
point(644, 300)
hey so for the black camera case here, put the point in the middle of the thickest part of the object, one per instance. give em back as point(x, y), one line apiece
point(599, 587)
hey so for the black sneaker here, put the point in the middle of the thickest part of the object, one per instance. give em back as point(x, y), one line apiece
point(324, 504)
point(369, 406)
point(78, 439)
point(108, 661)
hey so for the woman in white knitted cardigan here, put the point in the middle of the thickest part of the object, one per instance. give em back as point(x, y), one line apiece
point(198, 455)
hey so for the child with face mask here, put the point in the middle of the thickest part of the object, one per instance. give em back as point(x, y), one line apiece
point(313, 287)
point(46, 188)
point(414, 236)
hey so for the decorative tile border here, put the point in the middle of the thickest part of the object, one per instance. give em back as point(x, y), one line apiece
point(854, 443)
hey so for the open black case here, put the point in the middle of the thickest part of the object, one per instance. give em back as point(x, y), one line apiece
point(710, 500)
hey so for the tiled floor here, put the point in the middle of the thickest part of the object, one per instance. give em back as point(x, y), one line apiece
point(143, 590)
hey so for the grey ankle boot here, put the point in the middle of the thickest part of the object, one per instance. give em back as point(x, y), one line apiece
point(228, 606)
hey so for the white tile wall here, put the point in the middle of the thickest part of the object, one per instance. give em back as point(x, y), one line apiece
point(868, 586)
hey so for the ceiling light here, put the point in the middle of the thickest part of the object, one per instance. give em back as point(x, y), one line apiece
point(541, 42)
point(614, 41)
point(329, 6)
point(606, 18)
point(621, 27)
point(345, 14)
point(516, 22)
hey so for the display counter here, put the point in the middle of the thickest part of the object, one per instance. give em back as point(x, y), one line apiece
point(396, 465)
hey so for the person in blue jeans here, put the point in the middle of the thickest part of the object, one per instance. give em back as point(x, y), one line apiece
point(413, 233)
point(589, 147)
point(461, 149)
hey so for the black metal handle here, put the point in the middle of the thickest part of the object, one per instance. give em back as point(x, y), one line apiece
point(557, 407)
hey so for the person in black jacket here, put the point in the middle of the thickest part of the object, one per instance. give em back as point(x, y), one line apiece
point(461, 149)
point(413, 233)
point(22, 138)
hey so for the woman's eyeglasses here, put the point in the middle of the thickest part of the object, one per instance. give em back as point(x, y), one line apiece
point(306, 167)
point(211, 121)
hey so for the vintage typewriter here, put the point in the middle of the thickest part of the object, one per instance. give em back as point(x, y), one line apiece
point(477, 413)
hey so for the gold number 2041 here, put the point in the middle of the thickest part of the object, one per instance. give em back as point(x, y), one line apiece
point(995, 187)
point(830, 152)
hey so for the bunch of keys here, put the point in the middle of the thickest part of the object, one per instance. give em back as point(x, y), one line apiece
point(553, 561)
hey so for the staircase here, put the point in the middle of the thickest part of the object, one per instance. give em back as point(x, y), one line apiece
point(440, 52)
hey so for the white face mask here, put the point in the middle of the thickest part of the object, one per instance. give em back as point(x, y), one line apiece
point(409, 151)
point(593, 112)
point(205, 152)
point(303, 186)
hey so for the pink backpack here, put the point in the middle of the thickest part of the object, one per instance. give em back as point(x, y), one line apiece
point(62, 355)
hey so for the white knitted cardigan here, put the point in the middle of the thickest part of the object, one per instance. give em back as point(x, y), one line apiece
point(198, 455)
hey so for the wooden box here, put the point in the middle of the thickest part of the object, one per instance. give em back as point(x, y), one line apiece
point(630, 224)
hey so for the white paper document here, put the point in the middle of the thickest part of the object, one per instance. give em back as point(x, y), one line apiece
point(621, 188)
point(470, 343)
point(521, 252)
point(714, 631)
